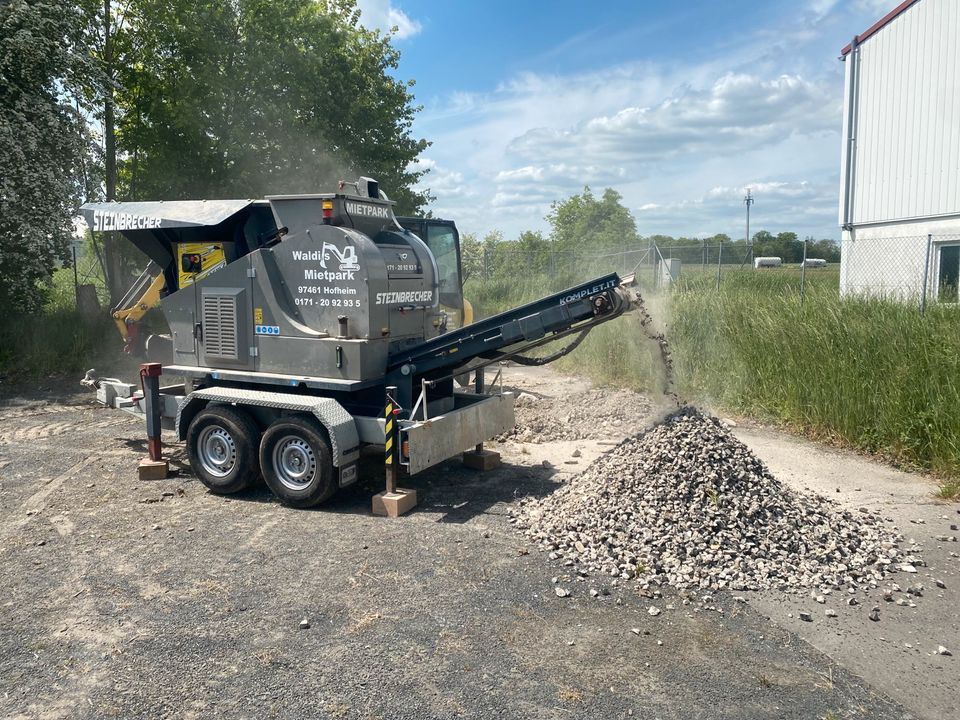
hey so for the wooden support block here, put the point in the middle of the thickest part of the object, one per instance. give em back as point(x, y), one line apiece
point(394, 504)
point(153, 469)
point(483, 460)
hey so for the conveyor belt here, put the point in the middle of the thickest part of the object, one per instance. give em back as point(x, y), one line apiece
point(514, 331)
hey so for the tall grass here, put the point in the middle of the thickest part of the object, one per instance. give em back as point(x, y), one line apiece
point(57, 339)
point(52, 342)
point(871, 373)
point(501, 293)
point(617, 353)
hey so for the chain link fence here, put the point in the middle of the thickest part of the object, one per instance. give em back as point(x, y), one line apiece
point(912, 268)
point(85, 279)
point(656, 267)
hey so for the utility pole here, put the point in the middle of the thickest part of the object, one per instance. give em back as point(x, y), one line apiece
point(748, 201)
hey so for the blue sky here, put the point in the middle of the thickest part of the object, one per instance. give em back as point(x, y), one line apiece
point(679, 106)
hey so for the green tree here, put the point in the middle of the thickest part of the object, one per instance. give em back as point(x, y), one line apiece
point(262, 96)
point(663, 240)
point(213, 99)
point(42, 141)
point(584, 222)
point(765, 244)
point(825, 249)
point(790, 248)
point(495, 255)
point(534, 253)
point(471, 256)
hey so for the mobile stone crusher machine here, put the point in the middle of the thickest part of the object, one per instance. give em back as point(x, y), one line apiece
point(306, 327)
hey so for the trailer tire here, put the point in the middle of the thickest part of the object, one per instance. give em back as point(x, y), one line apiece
point(222, 447)
point(297, 462)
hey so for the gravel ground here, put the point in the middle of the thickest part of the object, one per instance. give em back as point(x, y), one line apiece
point(898, 653)
point(149, 600)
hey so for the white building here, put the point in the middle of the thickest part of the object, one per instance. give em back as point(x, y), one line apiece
point(900, 167)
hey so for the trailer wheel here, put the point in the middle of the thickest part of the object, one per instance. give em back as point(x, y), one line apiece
point(297, 462)
point(222, 447)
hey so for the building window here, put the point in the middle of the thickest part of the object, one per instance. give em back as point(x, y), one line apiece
point(948, 273)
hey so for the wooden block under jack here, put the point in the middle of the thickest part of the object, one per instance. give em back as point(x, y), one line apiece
point(396, 503)
point(483, 460)
point(153, 469)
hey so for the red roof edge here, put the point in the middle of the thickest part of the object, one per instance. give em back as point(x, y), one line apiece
point(879, 24)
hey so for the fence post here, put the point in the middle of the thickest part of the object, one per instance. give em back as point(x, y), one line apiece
point(926, 276)
point(719, 260)
point(76, 280)
point(803, 271)
point(654, 251)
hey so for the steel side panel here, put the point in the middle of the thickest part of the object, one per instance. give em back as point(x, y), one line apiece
point(433, 441)
point(370, 429)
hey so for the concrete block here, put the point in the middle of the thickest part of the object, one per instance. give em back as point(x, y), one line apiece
point(483, 460)
point(153, 469)
point(394, 504)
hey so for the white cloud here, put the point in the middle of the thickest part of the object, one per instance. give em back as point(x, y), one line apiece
point(442, 183)
point(877, 7)
point(384, 16)
point(559, 175)
point(738, 113)
point(821, 8)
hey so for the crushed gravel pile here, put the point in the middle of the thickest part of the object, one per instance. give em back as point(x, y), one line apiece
point(687, 504)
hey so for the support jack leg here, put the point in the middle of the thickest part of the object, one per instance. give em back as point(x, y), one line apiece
point(394, 501)
point(154, 467)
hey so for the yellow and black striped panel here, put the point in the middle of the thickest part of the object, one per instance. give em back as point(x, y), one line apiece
point(388, 432)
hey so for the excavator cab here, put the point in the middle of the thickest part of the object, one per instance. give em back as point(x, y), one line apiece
point(443, 239)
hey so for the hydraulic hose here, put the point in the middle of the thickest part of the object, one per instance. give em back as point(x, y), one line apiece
point(537, 362)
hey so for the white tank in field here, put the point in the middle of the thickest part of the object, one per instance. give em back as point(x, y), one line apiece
point(814, 263)
point(762, 262)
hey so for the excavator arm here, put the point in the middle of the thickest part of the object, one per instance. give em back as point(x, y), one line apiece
point(142, 295)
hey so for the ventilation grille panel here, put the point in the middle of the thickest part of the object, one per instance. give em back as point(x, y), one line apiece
point(220, 326)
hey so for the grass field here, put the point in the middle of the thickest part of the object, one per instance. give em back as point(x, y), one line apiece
point(58, 338)
point(871, 373)
point(867, 373)
point(56, 341)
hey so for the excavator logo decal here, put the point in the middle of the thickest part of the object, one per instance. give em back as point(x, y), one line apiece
point(347, 257)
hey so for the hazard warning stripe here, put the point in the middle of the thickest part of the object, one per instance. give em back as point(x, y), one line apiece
point(388, 432)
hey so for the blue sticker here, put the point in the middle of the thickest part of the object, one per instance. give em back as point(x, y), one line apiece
point(267, 329)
